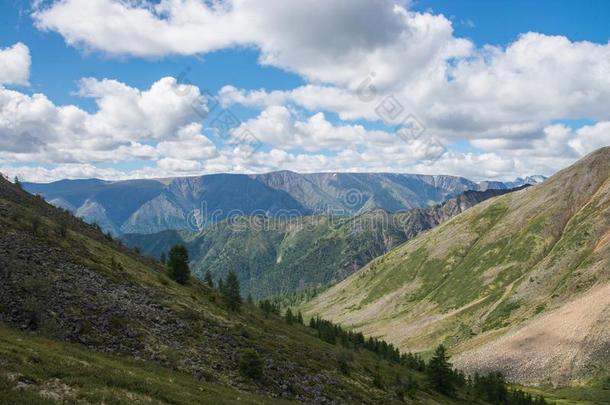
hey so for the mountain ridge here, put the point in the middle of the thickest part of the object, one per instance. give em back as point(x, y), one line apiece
point(488, 272)
point(273, 257)
point(84, 319)
point(140, 206)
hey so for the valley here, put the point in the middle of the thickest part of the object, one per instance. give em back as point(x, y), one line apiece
point(517, 283)
point(275, 256)
point(321, 202)
point(465, 273)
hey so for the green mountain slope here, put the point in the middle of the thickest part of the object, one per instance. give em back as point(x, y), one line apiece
point(100, 324)
point(273, 256)
point(518, 283)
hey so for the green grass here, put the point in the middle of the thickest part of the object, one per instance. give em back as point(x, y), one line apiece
point(36, 364)
point(400, 273)
point(482, 273)
point(592, 394)
point(197, 366)
point(499, 316)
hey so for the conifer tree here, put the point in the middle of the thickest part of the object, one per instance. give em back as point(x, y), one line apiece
point(163, 258)
point(232, 292)
point(289, 316)
point(178, 264)
point(440, 373)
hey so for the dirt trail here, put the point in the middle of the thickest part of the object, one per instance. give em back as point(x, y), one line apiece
point(509, 288)
point(603, 242)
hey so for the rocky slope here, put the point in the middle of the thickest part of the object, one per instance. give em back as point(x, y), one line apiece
point(518, 283)
point(151, 206)
point(272, 257)
point(83, 319)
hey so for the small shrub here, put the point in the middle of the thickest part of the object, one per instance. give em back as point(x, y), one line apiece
point(33, 311)
point(16, 216)
point(62, 230)
point(208, 279)
point(377, 380)
point(35, 223)
point(162, 279)
point(116, 323)
point(251, 364)
point(540, 308)
point(405, 388)
point(345, 360)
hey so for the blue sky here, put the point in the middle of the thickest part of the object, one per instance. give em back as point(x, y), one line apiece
point(501, 21)
point(466, 71)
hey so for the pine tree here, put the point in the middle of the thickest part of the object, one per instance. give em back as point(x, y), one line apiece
point(232, 292)
point(377, 379)
point(300, 318)
point(268, 308)
point(18, 182)
point(208, 279)
point(163, 258)
point(178, 264)
point(440, 373)
point(289, 316)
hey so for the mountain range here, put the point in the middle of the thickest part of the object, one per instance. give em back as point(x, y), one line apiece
point(516, 281)
point(85, 320)
point(519, 283)
point(152, 206)
point(276, 256)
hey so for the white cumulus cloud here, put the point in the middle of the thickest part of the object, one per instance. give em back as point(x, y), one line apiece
point(127, 120)
point(338, 41)
point(15, 62)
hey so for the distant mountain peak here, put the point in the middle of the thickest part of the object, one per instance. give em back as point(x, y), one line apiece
point(134, 204)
